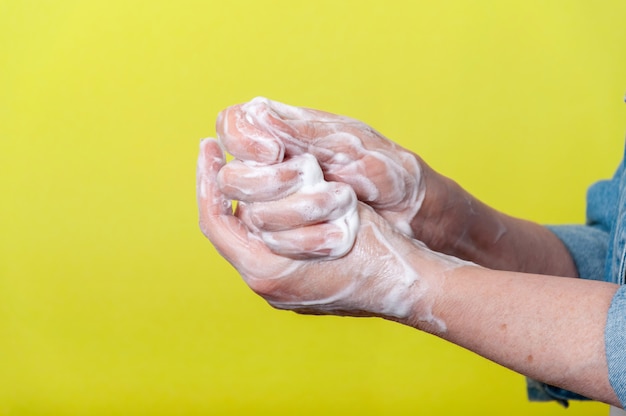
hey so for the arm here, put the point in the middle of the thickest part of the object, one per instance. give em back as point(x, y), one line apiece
point(396, 182)
point(297, 252)
point(548, 328)
point(458, 224)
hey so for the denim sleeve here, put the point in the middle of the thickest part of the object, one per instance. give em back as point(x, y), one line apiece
point(615, 340)
point(588, 247)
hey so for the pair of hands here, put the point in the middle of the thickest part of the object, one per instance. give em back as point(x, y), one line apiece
point(325, 210)
point(330, 220)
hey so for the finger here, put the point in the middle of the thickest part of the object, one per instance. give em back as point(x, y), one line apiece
point(340, 153)
point(343, 158)
point(260, 129)
point(336, 141)
point(252, 131)
point(259, 267)
point(244, 138)
point(328, 240)
point(245, 182)
point(305, 126)
point(347, 150)
point(377, 177)
point(332, 201)
point(217, 222)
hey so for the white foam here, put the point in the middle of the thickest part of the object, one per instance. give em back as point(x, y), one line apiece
point(382, 282)
point(399, 202)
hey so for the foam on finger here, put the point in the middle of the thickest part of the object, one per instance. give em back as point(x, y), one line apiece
point(244, 139)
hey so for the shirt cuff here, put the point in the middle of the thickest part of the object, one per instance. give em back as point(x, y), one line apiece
point(615, 341)
point(542, 392)
point(588, 247)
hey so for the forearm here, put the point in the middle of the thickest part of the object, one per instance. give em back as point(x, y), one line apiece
point(548, 328)
point(454, 222)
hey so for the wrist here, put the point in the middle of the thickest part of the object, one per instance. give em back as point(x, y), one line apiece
point(444, 212)
point(456, 223)
point(427, 297)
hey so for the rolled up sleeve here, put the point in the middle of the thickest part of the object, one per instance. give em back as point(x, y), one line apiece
point(615, 340)
point(588, 247)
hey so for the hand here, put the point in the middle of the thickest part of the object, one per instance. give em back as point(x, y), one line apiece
point(400, 186)
point(315, 250)
point(384, 175)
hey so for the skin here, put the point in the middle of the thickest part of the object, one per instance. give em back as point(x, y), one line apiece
point(518, 321)
point(373, 278)
point(404, 190)
point(544, 326)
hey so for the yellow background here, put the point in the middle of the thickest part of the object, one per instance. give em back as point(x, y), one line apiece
point(112, 302)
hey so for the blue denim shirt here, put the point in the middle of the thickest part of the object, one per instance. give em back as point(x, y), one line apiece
point(598, 249)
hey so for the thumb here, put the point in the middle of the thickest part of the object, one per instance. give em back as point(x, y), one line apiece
point(217, 222)
point(258, 266)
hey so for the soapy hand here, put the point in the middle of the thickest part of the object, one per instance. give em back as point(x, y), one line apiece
point(309, 218)
point(396, 183)
point(384, 175)
point(315, 249)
